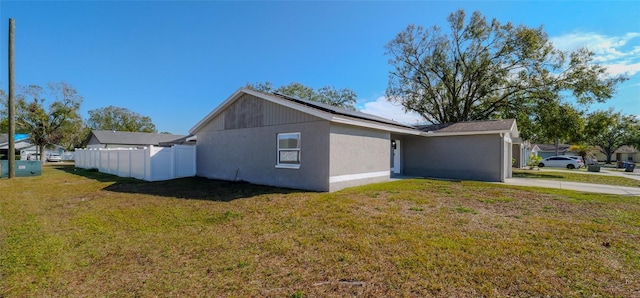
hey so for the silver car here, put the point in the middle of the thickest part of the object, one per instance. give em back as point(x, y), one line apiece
point(54, 157)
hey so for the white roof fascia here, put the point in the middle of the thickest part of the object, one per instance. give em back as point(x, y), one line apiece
point(375, 126)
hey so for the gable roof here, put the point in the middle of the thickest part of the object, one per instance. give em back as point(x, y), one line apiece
point(317, 109)
point(472, 127)
point(344, 116)
point(132, 138)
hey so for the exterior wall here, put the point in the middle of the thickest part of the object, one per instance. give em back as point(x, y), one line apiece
point(630, 157)
point(521, 154)
point(358, 156)
point(240, 144)
point(93, 143)
point(471, 157)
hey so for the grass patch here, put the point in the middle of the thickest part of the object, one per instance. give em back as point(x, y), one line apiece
point(567, 175)
point(462, 209)
point(83, 233)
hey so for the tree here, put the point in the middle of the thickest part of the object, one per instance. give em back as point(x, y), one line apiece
point(610, 130)
point(75, 133)
point(47, 125)
point(343, 98)
point(481, 69)
point(119, 119)
point(555, 121)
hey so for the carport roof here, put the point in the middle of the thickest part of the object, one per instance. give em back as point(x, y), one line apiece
point(472, 127)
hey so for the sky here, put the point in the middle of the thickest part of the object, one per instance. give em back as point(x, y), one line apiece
point(176, 61)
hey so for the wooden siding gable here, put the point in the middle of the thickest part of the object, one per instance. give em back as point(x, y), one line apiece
point(250, 111)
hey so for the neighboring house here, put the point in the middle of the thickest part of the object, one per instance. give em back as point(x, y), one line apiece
point(125, 139)
point(546, 150)
point(278, 140)
point(521, 151)
point(20, 143)
point(24, 148)
point(30, 152)
point(627, 153)
point(624, 153)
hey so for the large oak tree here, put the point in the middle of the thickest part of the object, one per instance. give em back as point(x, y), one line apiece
point(479, 69)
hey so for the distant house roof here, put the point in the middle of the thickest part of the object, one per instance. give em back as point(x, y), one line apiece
point(472, 127)
point(132, 138)
point(4, 137)
point(552, 148)
point(19, 145)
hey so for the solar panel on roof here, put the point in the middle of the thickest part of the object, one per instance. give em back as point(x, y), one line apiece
point(340, 111)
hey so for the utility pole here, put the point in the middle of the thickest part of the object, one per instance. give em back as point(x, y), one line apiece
point(12, 107)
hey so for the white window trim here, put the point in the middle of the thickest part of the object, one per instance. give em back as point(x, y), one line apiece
point(286, 165)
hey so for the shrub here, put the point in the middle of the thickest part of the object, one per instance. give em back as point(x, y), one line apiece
point(534, 160)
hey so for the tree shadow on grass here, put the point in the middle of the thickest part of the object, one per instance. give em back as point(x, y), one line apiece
point(190, 188)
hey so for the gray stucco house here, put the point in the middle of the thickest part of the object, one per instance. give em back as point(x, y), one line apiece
point(277, 140)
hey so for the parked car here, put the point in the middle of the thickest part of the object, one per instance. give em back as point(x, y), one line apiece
point(54, 157)
point(562, 162)
point(577, 158)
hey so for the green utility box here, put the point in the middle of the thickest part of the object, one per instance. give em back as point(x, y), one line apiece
point(23, 168)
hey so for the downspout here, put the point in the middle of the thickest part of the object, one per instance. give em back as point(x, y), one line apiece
point(502, 153)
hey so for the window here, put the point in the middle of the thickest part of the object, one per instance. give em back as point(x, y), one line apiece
point(289, 150)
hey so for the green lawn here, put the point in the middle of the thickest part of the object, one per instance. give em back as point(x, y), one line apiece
point(83, 233)
point(571, 175)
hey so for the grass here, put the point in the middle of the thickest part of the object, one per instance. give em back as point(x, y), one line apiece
point(82, 233)
point(570, 175)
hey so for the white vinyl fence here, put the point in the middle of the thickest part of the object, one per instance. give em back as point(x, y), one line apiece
point(150, 164)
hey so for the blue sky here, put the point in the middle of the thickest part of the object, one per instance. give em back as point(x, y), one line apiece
point(175, 61)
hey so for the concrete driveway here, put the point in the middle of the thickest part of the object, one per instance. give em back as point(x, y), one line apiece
point(586, 187)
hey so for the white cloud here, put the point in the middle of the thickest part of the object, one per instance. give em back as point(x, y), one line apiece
point(620, 54)
point(384, 108)
point(621, 68)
